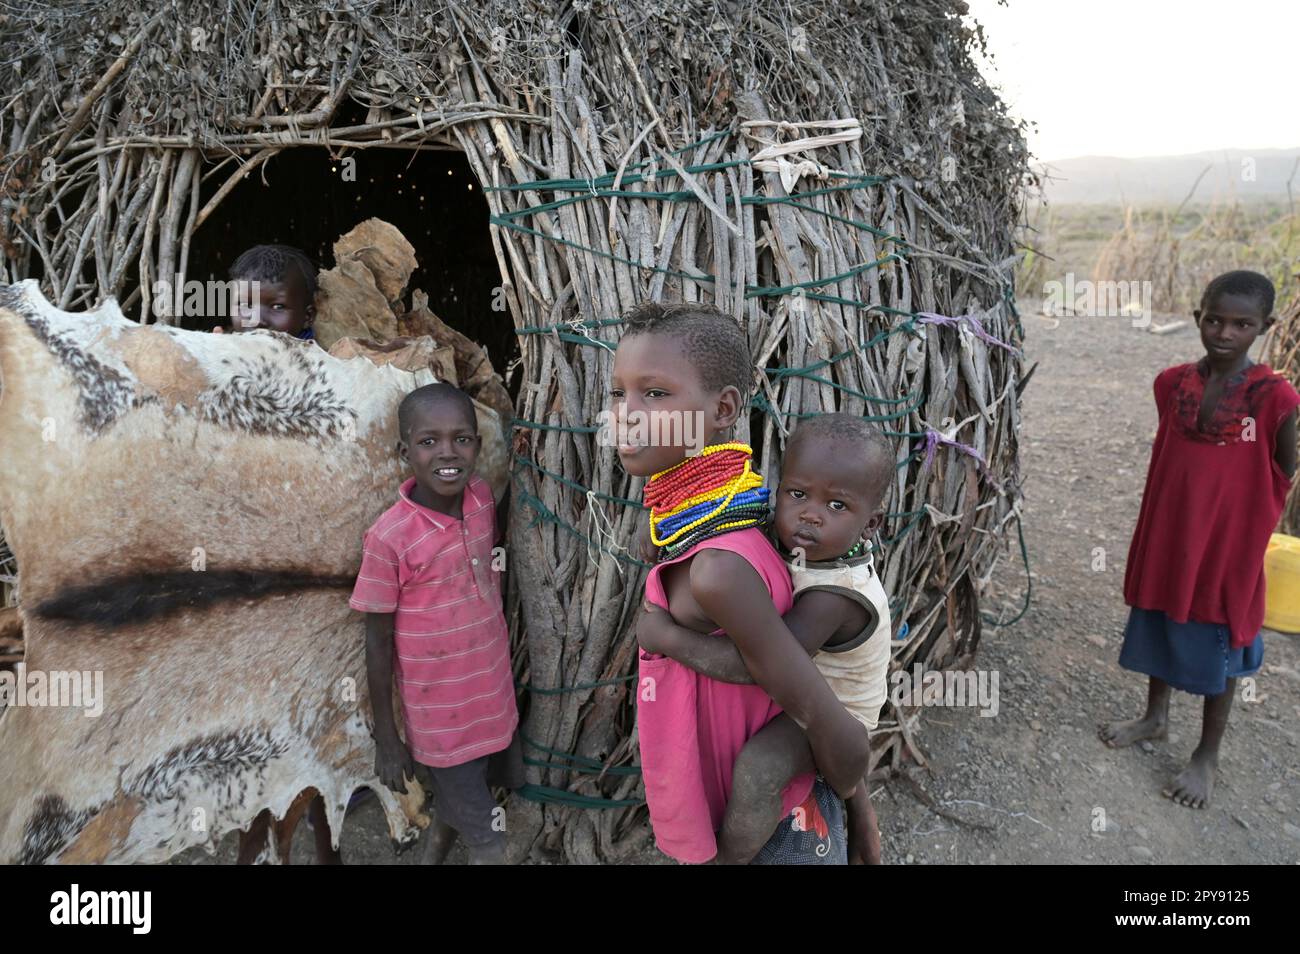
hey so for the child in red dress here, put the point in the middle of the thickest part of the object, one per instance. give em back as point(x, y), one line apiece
point(1220, 470)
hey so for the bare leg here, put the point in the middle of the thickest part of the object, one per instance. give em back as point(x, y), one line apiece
point(776, 754)
point(1153, 725)
point(864, 832)
point(1195, 784)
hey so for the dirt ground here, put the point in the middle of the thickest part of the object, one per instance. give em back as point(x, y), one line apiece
point(1033, 784)
point(1027, 783)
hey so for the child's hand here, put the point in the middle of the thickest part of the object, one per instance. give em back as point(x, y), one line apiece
point(841, 750)
point(393, 763)
point(654, 629)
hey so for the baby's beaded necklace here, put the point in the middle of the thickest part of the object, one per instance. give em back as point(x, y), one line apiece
point(856, 550)
point(712, 493)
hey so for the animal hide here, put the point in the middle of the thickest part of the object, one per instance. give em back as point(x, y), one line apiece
point(357, 297)
point(187, 512)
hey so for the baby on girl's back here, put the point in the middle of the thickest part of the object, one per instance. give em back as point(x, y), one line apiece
point(836, 470)
point(721, 574)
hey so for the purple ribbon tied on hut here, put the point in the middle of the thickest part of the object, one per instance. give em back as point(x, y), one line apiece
point(933, 439)
point(974, 323)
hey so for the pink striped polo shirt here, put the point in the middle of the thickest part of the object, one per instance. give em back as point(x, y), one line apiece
point(452, 647)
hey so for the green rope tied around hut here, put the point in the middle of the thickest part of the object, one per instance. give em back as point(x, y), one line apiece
point(574, 332)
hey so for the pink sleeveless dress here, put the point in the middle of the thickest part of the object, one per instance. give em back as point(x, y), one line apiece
point(691, 727)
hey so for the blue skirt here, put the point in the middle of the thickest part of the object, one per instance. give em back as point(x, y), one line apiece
point(1194, 657)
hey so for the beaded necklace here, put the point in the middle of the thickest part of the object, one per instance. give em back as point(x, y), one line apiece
point(712, 493)
point(856, 550)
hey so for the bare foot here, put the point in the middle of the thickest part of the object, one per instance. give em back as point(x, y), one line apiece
point(864, 847)
point(1119, 734)
point(858, 857)
point(1194, 784)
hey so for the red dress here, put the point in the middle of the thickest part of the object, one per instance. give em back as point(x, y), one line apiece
point(1212, 499)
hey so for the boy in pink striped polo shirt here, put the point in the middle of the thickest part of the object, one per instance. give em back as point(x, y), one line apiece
point(434, 621)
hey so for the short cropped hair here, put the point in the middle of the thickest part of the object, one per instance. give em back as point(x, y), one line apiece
point(428, 396)
point(1244, 283)
point(274, 263)
point(714, 342)
point(848, 430)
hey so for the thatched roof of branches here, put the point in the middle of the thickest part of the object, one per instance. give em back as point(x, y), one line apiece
point(243, 78)
point(835, 174)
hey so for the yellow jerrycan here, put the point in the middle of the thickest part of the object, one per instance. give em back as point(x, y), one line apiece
point(1282, 584)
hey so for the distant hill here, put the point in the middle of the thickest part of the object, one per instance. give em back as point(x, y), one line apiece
point(1169, 178)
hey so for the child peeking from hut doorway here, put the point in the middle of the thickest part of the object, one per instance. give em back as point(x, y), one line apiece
point(721, 574)
point(836, 471)
point(429, 586)
point(1220, 469)
point(281, 294)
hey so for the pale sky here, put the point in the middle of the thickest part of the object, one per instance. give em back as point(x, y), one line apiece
point(1147, 77)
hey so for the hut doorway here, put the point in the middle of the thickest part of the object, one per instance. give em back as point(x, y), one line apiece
point(306, 198)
